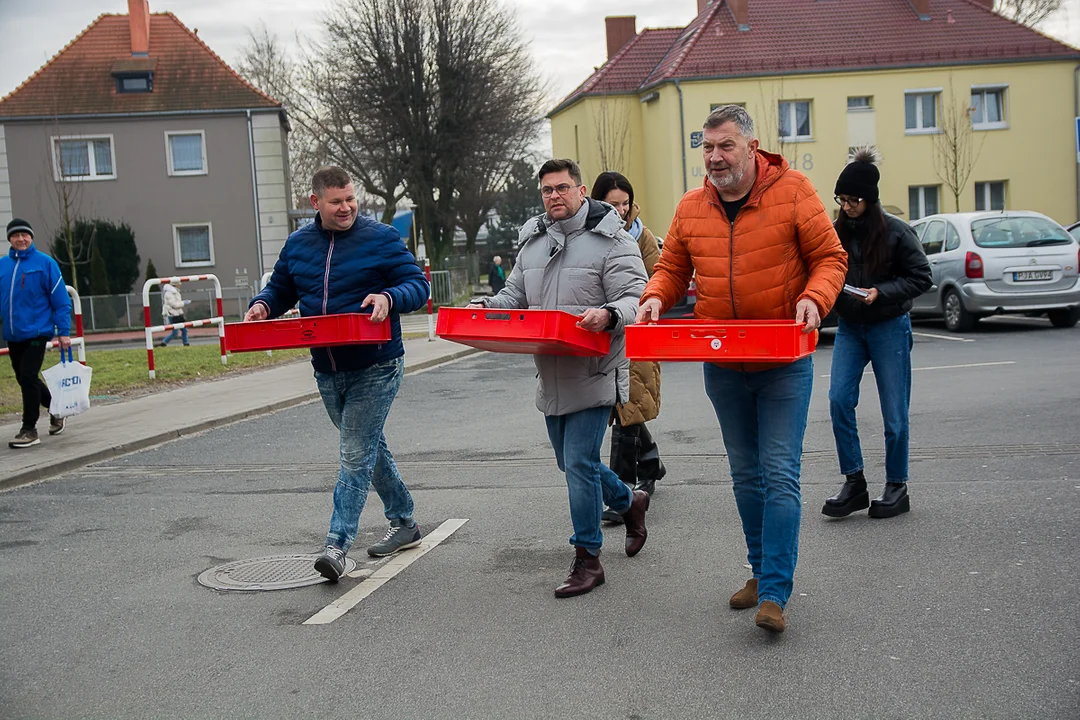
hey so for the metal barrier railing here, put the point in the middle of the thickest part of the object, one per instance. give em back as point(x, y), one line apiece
point(151, 329)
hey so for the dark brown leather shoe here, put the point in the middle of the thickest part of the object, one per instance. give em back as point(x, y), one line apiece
point(585, 574)
point(771, 617)
point(745, 598)
point(635, 523)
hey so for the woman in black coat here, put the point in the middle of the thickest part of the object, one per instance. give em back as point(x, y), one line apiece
point(887, 270)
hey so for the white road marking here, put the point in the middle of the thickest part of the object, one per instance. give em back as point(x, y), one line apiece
point(942, 337)
point(950, 367)
point(380, 577)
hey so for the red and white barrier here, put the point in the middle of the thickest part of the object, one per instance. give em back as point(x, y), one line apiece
point(151, 329)
point(77, 339)
point(430, 303)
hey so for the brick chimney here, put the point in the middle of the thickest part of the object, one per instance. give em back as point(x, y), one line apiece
point(139, 22)
point(741, 10)
point(922, 8)
point(620, 30)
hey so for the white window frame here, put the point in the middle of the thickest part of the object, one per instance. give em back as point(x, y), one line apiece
point(869, 107)
point(793, 120)
point(919, 129)
point(176, 243)
point(58, 175)
point(922, 201)
point(979, 124)
point(986, 195)
point(169, 158)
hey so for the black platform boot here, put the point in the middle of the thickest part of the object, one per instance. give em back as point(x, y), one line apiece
point(893, 501)
point(624, 461)
point(650, 467)
point(851, 498)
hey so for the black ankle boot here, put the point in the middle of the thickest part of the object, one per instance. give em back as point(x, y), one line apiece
point(624, 462)
point(893, 501)
point(851, 498)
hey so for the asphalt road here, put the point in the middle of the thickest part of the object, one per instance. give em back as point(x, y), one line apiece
point(964, 608)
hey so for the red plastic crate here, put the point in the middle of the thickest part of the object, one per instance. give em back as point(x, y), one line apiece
point(311, 331)
point(529, 332)
point(720, 341)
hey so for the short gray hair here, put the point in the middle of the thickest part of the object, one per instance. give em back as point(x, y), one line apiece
point(731, 113)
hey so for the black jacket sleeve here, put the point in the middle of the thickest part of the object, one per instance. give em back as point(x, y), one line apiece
point(910, 266)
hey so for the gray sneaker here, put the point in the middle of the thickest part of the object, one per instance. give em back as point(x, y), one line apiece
point(398, 537)
point(56, 425)
point(331, 564)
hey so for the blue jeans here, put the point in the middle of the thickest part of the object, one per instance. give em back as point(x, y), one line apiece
point(358, 403)
point(763, 419)
point(591, 484)
point(886, 346)
point(176, 332)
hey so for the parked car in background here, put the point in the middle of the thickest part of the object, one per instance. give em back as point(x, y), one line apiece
point(987, 263)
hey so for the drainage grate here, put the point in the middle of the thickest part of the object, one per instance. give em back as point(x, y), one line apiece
point(277, 572)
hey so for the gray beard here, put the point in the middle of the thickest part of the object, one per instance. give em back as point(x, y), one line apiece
point(733, 179)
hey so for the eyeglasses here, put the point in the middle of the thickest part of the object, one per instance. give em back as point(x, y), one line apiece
point(548, 191)
point(850, 201)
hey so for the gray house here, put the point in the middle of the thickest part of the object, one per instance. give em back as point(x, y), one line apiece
point(138, 121)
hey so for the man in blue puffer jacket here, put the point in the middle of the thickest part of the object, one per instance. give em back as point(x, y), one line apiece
point(342, 264)
point(35, 306)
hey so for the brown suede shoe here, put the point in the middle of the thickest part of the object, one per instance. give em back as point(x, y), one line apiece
point(771, 617)
point(745, 598)
point(635, 523)
point(585, 574)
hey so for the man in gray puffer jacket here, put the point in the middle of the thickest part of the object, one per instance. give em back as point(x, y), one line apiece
point(576, 257)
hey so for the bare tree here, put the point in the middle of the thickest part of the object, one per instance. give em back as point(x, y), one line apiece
point(428, 92)
point(955, 147)
point(61, 220)
point(1027, 12)
point(611, 126)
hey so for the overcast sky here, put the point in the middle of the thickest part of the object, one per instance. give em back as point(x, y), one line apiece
point(567, 40)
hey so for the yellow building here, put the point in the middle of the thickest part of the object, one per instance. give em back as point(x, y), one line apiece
point(954, 97)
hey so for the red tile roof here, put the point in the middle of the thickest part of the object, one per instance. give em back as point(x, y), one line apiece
point(188, 75)
point(803, 36)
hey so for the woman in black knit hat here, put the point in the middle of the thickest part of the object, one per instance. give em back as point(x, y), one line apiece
point(887, 269)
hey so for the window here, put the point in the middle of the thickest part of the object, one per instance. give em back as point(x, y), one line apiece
point(860, 103)
point(922, 201)
point(990, 195)
point(77, 157)
point(194, 244)
point(186, 152)
point(1017, 232)
point(795, 120)
point(920, 110)
point(988, 108)
point(952, 237)
point(934, 237)
point(135, 83)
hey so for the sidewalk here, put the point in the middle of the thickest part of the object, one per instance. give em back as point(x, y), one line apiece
point(106, 431)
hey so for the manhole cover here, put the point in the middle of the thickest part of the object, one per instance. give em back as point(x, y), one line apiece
point(277, 572)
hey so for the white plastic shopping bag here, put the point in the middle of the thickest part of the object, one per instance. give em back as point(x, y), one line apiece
point(69, 385)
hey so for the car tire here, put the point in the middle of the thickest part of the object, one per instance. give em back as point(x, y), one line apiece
point(957, 318)
point(1064, 317)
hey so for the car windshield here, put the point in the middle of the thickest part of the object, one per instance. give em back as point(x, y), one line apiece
point(1014, 232)
point(1075, 232)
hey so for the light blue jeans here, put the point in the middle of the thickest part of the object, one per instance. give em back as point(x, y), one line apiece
point(763, 419)
point(887, 347)
point(358, 403)
point(177, 332)
point(576, 438)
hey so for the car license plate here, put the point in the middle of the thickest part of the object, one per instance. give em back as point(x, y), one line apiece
point(1028, 275)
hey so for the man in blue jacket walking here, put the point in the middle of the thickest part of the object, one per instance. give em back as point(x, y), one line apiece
point(342, 263)
point(35, 306)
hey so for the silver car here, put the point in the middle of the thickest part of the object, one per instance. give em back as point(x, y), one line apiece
point(986, 263)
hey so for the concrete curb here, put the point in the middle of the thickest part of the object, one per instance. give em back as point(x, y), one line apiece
point(45, 471)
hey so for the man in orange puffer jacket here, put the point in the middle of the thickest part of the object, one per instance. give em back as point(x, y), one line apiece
point(763, 248)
